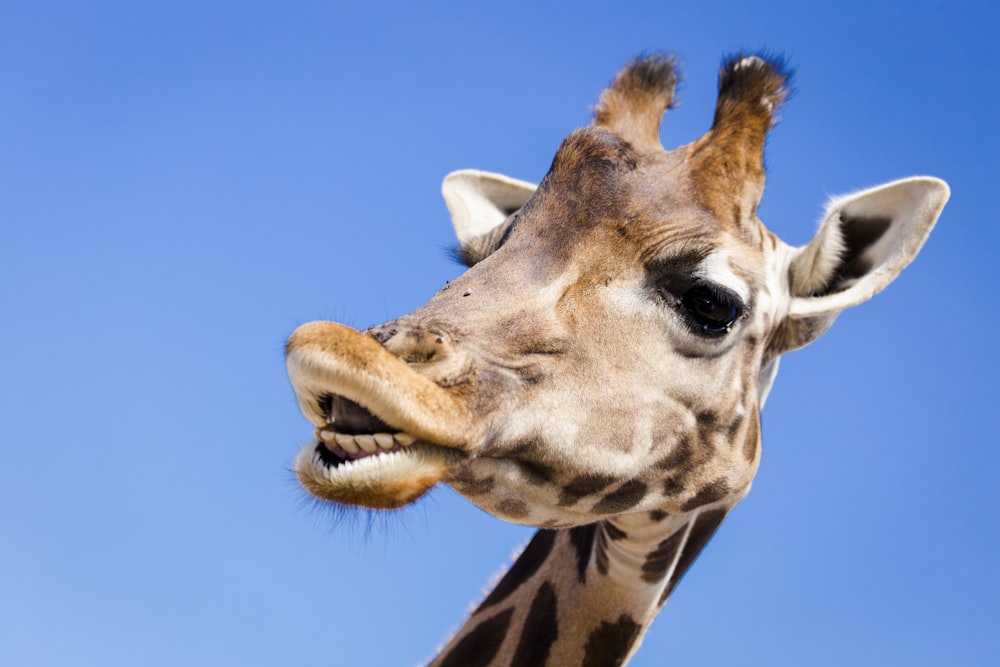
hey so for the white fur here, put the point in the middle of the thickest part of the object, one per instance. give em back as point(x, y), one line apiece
point(717, 268)
point(479, 201)
point(913, 206)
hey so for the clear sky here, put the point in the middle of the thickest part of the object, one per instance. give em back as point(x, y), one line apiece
point(183, 183)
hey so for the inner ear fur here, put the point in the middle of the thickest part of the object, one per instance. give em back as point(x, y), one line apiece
point(482, 205)
point(864, 241)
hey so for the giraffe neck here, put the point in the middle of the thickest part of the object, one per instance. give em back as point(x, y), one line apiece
point(582, 596)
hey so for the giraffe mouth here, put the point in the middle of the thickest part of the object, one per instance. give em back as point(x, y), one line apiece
point(353, 433)
point(384, 434)
point(358, 459)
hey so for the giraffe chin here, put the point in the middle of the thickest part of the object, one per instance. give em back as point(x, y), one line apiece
point(383, 481)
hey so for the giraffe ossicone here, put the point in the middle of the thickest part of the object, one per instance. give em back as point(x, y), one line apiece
point(599, 369)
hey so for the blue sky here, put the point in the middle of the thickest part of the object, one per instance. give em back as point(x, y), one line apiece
point(182, 184)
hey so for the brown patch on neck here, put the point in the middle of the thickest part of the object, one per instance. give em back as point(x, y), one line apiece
point(701, 532)
point(610, 643)
point(540, 630)
point(525, 567)
point(481, 645)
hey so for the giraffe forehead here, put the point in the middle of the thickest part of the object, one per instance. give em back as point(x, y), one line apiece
point(598, 178)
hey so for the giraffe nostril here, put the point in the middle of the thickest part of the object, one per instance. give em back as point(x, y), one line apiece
point(412, 344)
point(384, 334)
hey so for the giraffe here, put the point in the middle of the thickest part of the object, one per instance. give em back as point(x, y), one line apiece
point(598, 371)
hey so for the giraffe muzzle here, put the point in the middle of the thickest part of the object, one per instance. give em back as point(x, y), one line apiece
point(384, 433)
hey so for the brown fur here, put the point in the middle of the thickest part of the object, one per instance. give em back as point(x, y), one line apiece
point(634, 103)
point(728, 162)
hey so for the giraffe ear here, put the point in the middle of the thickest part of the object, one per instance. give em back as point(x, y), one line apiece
point(480, 203)
point(863, 242)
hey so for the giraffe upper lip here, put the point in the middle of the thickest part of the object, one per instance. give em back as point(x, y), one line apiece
point(334, 368)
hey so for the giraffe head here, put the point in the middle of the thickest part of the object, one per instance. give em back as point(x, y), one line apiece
point(610, 347)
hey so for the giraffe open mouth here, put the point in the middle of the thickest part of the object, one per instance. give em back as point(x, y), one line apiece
point(352, 389)
point(358, 459)
point(353, 433)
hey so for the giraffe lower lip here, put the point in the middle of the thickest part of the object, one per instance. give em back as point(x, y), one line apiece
point(387, 479)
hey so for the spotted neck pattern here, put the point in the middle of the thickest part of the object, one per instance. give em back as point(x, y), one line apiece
point(583, 595)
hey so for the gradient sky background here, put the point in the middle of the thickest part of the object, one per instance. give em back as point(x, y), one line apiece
point(183, 183)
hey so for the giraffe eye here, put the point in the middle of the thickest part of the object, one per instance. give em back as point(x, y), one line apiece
point(710, 310)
